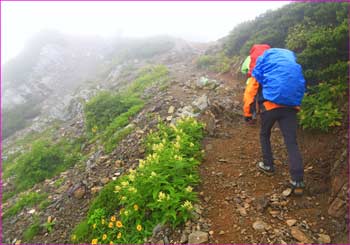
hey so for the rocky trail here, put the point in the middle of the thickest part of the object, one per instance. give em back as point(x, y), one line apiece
point(242, 205)
point(237, 203)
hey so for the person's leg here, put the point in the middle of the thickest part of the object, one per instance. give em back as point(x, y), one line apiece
point(288, 125)
point(268, 118)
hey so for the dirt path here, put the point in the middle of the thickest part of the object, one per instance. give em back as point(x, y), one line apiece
point(235, 195)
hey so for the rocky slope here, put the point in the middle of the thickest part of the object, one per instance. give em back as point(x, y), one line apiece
point(237, 203)
point(55, 71)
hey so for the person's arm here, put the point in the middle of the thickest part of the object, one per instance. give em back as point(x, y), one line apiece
point(250, 93)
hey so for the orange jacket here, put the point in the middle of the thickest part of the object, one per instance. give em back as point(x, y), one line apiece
point(249, 99)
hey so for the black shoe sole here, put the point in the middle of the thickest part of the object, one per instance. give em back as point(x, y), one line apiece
point(269, 173)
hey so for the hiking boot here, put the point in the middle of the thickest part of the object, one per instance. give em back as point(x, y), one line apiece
point(297, 187)
point(269, 170)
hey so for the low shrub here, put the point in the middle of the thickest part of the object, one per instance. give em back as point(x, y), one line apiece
point(159, 191)
point(25, 200)
point(32, 230)
point(217, 63)
point(44, 160)
point(107, 114)
point(320, 106)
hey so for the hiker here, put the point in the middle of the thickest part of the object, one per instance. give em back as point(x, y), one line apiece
point(247, 68)
point(280, 85)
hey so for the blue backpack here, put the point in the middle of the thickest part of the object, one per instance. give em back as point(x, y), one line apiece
point(281, 77)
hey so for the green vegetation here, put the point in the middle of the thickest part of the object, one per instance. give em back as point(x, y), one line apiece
point(159, 191)
point(216, 63)
point(25, 200)
point(58, 182)
point(44, 204)
point(7, 195)
point(108, 114)
point(44, 160)
point(32, 230)
point(319, 34)
point(101, 110)
point(16, 118)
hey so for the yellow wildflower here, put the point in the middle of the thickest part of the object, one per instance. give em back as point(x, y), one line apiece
point(125, 183)
point(94, 241)
point(132, 189)
point(117, 188)
point(110, 225)
point(123, 198)
point(102, 221)
point(126, 212)
point(113, 218)
point(139, 227)
point(131, 177)
point(74, 237)
point(119, 224)
point(111, 242)
point(191, 144)
point(104, 237)
point(177, 145)
point(119, 235)
point(153, 174)
point(136, 207)
point(188, 205)
point(189, 189)
point(178, 157)
point(94, 226)
point(162, 196)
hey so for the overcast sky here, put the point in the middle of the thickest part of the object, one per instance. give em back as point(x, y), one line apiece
point(194, 21)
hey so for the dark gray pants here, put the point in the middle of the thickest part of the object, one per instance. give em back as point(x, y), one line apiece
point(287, 120)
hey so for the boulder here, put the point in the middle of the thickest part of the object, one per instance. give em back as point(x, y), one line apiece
point(198, 237)
point(201, 103)
point(300, 236)
point(260, 225)
point(79, 192)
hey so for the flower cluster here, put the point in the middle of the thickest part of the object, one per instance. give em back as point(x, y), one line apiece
point(160, 190)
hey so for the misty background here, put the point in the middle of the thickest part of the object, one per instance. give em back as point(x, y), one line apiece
point(53, 54)
point(192, 21)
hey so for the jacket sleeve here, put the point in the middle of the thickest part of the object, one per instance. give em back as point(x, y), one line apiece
point(250, 93)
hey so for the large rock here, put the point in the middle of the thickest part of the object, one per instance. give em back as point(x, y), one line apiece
point(224, 105)
point(79, 192)
point(201, 103)
point(198, 237)
point(260, 225)
point(337, 208)
point(300, 236)
point(291, 222)
point(187, 111)
point(206, 82)
point(171, 110)
point(323, 238)
point(339, 198)
point(210, 122)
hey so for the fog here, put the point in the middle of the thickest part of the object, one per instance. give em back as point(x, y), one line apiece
point(193, 21)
